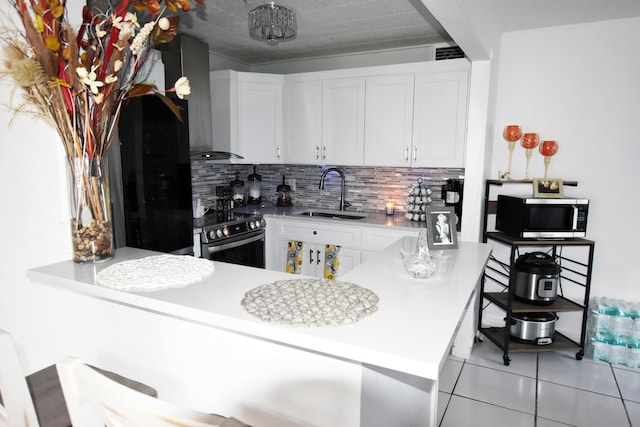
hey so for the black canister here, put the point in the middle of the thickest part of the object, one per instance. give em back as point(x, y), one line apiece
point(537, 276)
point(283, 192)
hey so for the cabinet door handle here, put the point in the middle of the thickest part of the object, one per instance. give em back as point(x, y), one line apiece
point(318, 257)
point(324, 152)
point(278, 151)
point(406, 153)
point(310, 256)
point(317, 152)
point(415, 154)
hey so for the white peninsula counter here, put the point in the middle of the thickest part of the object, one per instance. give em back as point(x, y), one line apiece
point(399, 350)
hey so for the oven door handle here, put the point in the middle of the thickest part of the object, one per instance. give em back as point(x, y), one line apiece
point(225, 246)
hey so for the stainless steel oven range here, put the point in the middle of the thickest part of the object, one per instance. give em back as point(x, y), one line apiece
point(232, 237)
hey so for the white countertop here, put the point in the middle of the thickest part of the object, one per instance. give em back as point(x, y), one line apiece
point(411, 332)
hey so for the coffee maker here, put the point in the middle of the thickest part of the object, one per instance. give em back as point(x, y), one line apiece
point(452, 195)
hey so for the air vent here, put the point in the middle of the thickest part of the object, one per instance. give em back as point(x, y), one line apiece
point(449, 53)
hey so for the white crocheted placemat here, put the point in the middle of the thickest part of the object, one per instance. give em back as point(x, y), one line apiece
point(155, 272)
point(310, 302)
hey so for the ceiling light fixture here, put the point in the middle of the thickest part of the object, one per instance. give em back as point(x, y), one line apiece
point(272, 23)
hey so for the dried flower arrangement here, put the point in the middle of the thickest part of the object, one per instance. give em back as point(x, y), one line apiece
point(78, 82)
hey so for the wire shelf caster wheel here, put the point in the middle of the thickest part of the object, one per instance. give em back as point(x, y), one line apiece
point(506, 360)
point(579, 355)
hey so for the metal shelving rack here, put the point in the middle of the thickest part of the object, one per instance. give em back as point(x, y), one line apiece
point(500, 272)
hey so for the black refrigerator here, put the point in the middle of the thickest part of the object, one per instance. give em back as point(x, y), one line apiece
point(155, 177)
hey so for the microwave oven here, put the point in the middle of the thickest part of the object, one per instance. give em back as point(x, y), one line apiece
point(531, 218)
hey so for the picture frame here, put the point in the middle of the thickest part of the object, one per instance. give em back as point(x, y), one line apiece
point(548, 188)
point(441, 228)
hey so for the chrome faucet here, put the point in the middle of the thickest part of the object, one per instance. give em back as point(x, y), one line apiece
point(343, 204)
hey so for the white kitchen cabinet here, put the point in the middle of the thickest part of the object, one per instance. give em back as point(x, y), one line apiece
point(413, 115)
point(247, 113)
point(314, 237)
point(323, 121)
point(303, 122)
point(388, 120)
point(416, 120)
point(313, 259)
point(439, 119)
point(343, 121)
point(260, 131)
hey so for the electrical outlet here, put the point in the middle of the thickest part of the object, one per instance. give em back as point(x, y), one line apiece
point(291, 182)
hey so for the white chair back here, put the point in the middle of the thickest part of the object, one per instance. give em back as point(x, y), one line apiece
point(17, 409)
point(95, 400)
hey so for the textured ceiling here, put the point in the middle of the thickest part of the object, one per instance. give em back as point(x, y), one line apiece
point(325, 27)
point(333, 27)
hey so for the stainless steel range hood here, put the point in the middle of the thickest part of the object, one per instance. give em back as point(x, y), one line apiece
point(188, 56)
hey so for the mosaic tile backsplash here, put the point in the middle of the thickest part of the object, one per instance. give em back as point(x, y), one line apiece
point(367, 188)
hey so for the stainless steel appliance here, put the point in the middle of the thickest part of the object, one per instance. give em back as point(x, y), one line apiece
point(536, 279)
point(537, 328)
point(232, 237)
point(538, 218)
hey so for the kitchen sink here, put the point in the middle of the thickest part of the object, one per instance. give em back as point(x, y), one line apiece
point(333, 214)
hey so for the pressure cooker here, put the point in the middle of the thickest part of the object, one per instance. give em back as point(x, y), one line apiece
point(535, 328)
point(536, 278)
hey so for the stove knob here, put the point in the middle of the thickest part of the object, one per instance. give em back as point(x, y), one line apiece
point(252, 225)
point(219, 233)
point(263, 222)
point(225, 231)
point(212, 234)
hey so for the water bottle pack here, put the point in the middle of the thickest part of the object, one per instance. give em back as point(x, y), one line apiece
point(614, 331)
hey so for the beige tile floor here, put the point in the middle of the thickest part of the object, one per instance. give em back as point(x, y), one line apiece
point(547, 389)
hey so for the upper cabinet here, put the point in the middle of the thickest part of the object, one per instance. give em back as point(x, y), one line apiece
point(247, 115)
point(260, 123)
point(324, 121)
point(303, 122)
point(411, 115)
point(388, 120)
point(439, 119)
point(416, 120)
point(343, 121)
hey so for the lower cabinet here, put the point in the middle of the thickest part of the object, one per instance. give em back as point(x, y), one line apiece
point(317, 260)
point(308, 247)
point(302, 246)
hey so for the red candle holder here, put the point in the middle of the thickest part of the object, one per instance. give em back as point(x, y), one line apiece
point(548, 149)
point(529, 142)
point(511, 133)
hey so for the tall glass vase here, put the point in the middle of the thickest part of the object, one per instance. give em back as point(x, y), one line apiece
point(90, 209)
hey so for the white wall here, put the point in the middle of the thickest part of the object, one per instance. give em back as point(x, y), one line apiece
point(580, 85)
